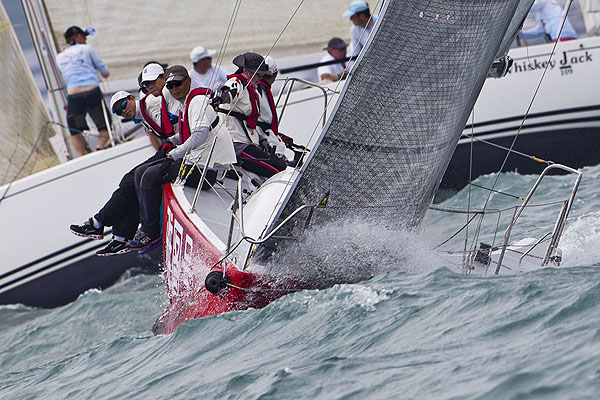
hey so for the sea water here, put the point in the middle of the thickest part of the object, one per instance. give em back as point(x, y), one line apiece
point(420, 329)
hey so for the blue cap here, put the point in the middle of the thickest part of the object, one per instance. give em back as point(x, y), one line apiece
point(356, 7)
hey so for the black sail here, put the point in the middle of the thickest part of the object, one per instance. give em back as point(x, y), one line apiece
point(383, 153)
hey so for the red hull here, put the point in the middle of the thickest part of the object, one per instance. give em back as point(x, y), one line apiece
point(188, 257)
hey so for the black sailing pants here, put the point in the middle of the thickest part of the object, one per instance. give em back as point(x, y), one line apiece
point(122, 209)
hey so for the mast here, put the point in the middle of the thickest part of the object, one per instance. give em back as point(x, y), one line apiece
point(45, 49)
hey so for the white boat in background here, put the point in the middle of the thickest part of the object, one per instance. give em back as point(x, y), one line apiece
point(562, 125)
point(44, 264)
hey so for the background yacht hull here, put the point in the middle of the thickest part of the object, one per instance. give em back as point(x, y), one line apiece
point(44, 264)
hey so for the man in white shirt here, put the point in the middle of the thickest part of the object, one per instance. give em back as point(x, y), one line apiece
point(548, 14)
point(204, 74)
point(199, 126)
point(336, 50)
point(363, 23)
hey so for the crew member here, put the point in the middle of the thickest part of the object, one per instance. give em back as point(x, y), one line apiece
point(362, 24)
point(548, 14)
point(336, 50)
point(78, 64)
point(203, 73)
point(267, 124)
point(199, 127)
point(240, 107)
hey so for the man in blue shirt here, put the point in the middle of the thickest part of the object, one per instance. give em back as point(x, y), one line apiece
point(78, 64)
point(363, 23)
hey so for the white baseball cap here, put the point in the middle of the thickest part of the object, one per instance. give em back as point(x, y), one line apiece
point(271, 65)
point(120, 95)
point(151, 72)
point(199, 52)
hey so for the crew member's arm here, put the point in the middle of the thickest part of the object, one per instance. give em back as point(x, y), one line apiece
point(199, 113)
point(98, 63)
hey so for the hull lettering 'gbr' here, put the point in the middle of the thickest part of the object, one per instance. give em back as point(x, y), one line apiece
point(189, 254)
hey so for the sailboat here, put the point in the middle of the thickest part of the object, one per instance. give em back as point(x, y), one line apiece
point(44, 265)
point(379, 159)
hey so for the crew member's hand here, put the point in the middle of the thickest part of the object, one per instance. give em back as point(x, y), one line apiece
point(165, 167)
point(264, 144)
point(166, 147)
point(288, 141)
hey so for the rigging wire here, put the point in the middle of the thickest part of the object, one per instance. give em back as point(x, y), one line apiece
point(37, 140)
point(531, 102)
point(323, 117)
point(529, 156)
point(497, 191)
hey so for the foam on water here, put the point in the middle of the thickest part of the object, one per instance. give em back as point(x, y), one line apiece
point(352, 250)
point(415, 330)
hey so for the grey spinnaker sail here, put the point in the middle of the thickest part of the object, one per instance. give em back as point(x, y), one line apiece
point(383, 153)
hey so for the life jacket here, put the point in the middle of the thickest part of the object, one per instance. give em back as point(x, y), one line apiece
point(267, 89)
point(253, 117)
point(165, 130)
point(184, 123)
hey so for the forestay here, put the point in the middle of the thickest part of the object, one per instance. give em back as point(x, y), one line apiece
point(383, 153)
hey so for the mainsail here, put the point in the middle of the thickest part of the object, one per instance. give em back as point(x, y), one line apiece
point(383, 153)
point(132, 32)
point(24, 121)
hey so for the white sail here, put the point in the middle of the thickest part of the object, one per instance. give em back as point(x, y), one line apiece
point(130, 33)
point(25, 128)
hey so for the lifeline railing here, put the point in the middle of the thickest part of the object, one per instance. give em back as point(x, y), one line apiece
point(560, 222)
point(471, 255)
point(291, 81)
point(239, 206)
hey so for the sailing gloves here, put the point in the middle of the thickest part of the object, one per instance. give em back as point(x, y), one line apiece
point(165, 148)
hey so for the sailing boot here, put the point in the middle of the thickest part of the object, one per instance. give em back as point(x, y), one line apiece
point(142, 241)
point(88, 230)
point(114, 247)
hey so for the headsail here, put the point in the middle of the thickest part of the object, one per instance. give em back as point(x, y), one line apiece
point(25, 126)
point(515, 26)
point(382, 154)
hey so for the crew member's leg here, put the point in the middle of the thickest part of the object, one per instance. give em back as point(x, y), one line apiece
point(256, 160)
point(76, 121)
point(149, 185)
point(94, 102)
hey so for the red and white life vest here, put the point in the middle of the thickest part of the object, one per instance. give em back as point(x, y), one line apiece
point(267, 89)
point(254, 101)
point(165, 130)
point(184, 123)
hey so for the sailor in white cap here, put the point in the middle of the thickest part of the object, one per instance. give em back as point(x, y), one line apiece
point(203, 73)
point(121, 211)
point(158, 108)
point(362, 24)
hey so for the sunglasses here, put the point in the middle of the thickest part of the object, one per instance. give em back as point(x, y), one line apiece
point(172, 84)
point(119, 110)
